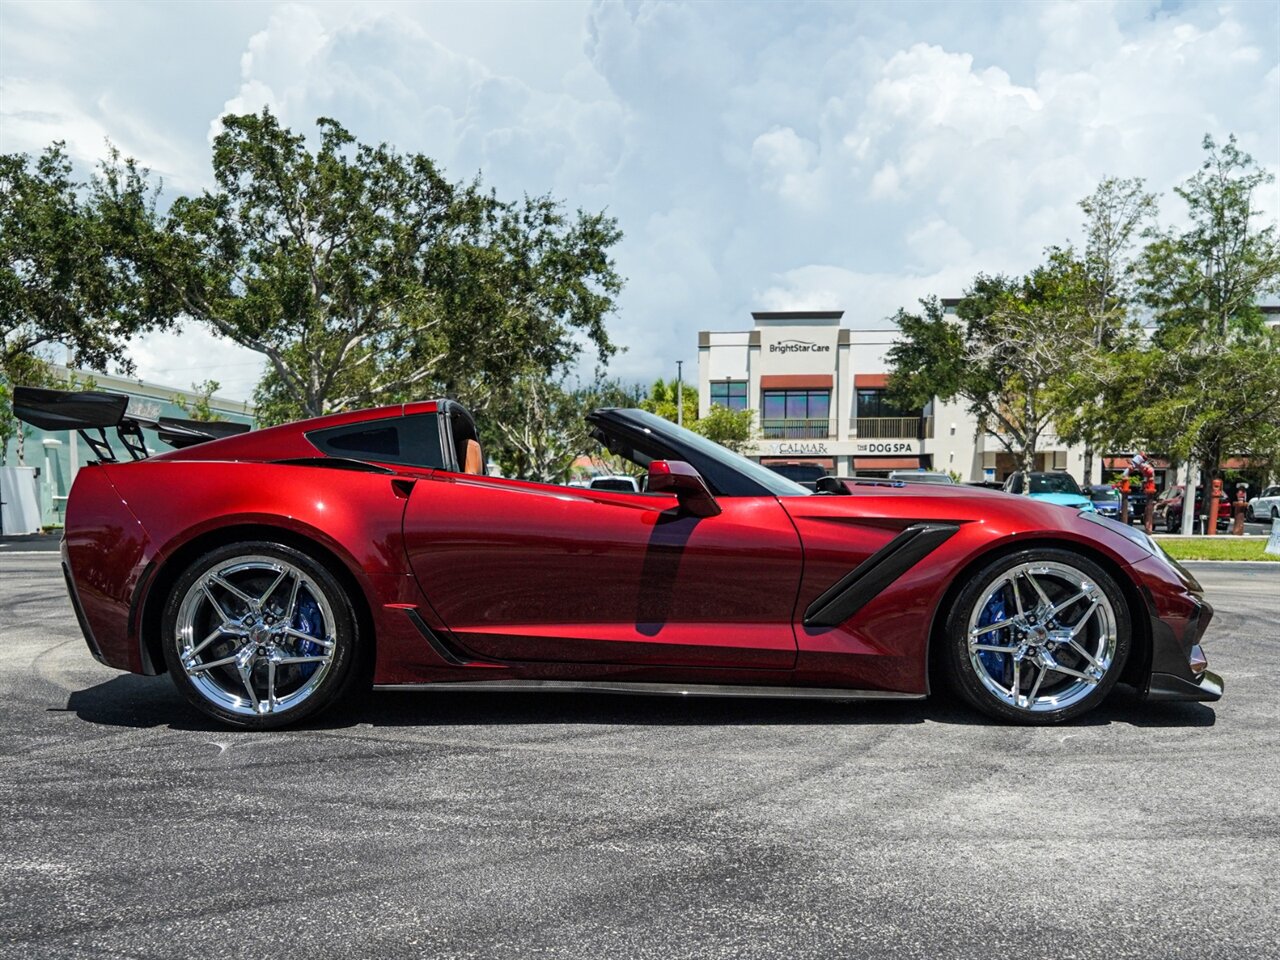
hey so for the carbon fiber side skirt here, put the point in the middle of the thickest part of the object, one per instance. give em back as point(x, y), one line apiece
point(650, 689)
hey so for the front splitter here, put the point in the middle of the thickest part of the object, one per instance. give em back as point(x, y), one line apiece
point(1165, 686)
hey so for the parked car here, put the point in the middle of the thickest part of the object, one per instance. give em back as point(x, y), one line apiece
point(615, 482)
point(921, 476)
point(1106, 500)
point(1052, 487)
point(805, 474)
point(1265, 506)
point(276, 573)
point(1137, 503)
point(1168, 512)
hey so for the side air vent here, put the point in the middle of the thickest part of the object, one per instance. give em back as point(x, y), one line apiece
point(861, 585)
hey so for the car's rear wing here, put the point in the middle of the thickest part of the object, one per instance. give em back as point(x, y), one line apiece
point(92, 412)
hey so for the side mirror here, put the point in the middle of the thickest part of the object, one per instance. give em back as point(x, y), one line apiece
point(833, 486)
point(678, 477)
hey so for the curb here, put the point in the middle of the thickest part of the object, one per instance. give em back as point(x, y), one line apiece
point(1261, 564)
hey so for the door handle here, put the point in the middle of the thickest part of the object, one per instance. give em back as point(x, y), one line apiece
point(402, 487)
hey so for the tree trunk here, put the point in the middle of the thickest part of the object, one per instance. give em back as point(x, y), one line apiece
point(1088, 464)
point(1189, 499)
point(1028, 445)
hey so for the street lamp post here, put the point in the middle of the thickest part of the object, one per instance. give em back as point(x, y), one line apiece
point(679, 393)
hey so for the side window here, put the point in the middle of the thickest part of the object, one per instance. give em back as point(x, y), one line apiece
point(413, 441)
point(375, 442)
point(1015, 483)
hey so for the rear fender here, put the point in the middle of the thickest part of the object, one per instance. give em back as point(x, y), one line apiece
point(349, 519)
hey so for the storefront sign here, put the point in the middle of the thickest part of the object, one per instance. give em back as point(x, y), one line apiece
point(799, 346)
point(888, 447)
point(799, 448)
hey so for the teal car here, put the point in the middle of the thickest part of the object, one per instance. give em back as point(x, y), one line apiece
point(1052, 487)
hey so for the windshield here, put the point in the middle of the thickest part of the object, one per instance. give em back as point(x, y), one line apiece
point(921, 476)
point(775, 483)
point(1054, 483)
point(1106, 493)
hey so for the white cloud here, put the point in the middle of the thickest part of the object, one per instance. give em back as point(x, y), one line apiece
point(785, 161)
point(191, 354)
point(33, 114)
point(855, 156)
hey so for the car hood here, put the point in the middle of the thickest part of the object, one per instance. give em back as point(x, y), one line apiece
point(985, 516)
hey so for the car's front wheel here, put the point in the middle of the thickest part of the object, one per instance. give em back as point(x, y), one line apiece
point(260, 635)
point(1039, 636)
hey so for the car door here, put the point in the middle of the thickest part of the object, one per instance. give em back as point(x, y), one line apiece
point(1270, 501)
point(535, 572)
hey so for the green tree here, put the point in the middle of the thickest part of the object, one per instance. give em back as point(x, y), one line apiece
point(1211, 366)
point(1116, 213)
point(22, 370)
point(662, 400)
point(1194, 400)
point(1005, 353)
point(734, 429)
point(69, 273)
point(200, 408)
point(536, 428)
point(1213, 276)
point(365, 277)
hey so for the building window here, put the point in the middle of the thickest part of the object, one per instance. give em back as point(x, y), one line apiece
point(729, 393)
point(873, 403)
point(878, 419)
point(796, 413)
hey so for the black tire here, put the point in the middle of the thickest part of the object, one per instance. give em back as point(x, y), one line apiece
point(341, 673)
point(964, 676)
point(1275, 514)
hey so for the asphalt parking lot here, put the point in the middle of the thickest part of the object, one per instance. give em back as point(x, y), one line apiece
point(464, 825)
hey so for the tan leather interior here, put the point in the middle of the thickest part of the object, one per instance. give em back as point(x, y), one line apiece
point(475, 462)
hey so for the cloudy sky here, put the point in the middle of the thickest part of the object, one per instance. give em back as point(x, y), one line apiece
point(849, 156)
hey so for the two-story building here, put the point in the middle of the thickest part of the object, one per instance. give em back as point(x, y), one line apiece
point(818, 391)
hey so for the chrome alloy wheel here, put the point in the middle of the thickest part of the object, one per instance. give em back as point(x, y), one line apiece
point(255, 635)
point(1043, 637)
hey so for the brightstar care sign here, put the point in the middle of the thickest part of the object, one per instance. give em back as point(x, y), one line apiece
point(804, 350)
point(798, 346)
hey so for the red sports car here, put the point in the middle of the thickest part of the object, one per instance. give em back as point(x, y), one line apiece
point(273, 573)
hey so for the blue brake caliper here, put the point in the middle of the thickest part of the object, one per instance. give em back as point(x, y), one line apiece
point(307, 620)
point(998, 665)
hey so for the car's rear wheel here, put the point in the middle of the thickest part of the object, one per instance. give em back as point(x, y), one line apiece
point(260, 635)
point(1039, 636)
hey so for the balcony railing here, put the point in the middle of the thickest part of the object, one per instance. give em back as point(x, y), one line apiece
point(894, 428)
point(798, 429)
